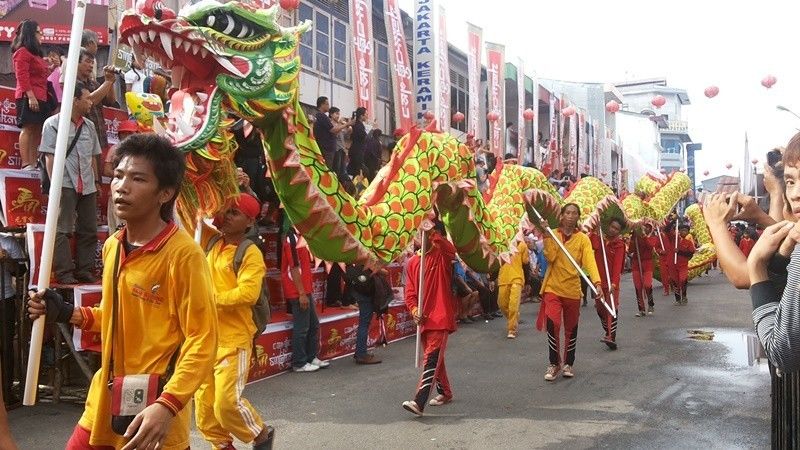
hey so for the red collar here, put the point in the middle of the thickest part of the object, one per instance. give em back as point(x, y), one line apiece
point(78, 122)
point(156, 243)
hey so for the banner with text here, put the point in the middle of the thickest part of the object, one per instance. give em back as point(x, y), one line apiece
point(495, 57)
point(522, 129)
point(363, 55)
point(403, 81)
point(443, 113)
point(475, 37)
point(425, 58)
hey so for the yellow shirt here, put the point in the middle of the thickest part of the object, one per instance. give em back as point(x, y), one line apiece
point(165, 302)
point(512, 272)
point(561, 277)
point(235, 294)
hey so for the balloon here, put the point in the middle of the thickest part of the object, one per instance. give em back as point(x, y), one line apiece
point(290, 5)
point(429, 115)
point(493, 116)
point(458, 117)
point(528, 114)
point(705, 173)
point(728, 165)
point(769, 81)
point(612, 106)
point(711, 91)
point(658, 101)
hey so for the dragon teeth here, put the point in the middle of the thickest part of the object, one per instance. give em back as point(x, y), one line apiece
point(152, 35)
point(178, 41)
point(186, 46)
point(203, 52)
point(143, 35)
point(227, 65)
point(202, 96)
point(195, 49)
point(166, 42)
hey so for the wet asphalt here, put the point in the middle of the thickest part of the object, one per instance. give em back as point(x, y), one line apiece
point(659, 390)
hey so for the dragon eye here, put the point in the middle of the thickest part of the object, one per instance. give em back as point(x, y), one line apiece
point(231, 25)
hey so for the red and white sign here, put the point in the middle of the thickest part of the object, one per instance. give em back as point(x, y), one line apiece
point(402, 81)
point(443, 79)
point(22, 199)
point(475, 37)
point(9, 150)
point(8, 109)
point(34, 238)
point(363, 54)
point(272, 351)
point(51, 33)
point(521, 123)
point(87, 340)
point(495, 55)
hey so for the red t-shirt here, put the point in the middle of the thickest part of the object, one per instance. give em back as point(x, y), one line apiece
point(685, 245)
point(615, 252)
point(31, 72)
point(746, 245)
point(294, 256)
point(646, 247)
point(438, 304)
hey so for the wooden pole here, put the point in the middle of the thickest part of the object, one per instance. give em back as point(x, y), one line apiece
point(420, 293)
point(605, 264)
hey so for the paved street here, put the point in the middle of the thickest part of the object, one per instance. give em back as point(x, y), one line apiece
point(659, 390)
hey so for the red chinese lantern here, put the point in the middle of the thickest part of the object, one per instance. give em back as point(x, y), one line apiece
point(705, 173)
point(290, 5)
point(568, 111)
point(603, 174)
point(458, 117)
point(711, 91)
point(429, 115)
point(728, 165)
point(612, 106)
point(586, 168)
point(658, 101)
point(754, 161)
point(769, 81)
point(493, 116)
point(528, 114)
point(398, 133)
point(624, 170)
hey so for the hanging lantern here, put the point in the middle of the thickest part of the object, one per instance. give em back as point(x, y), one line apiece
point(658, 101)
point(769, 81)
point(290, 5)
point(705, 173)
point(754, 161)
point(568, 111)
point(603, 174)
point(528, 114)
point(612, 106)
point(624, 170)
point(711, 91)
point(458, 117)
point(429, 115)
point(586, 168)
point(728, 165)
point(493, 116)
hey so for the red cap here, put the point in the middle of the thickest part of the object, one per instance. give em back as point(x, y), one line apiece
point(128, 126)
point(248, 205)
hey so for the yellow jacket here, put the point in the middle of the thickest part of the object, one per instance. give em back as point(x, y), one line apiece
point(165, 303)
point(561, 277)
point(235, 293)
point(512, 272)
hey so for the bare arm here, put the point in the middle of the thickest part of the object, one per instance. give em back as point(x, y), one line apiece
point(718, 213)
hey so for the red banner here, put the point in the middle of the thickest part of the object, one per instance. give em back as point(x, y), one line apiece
point(9, 150)
point(8, 109)
point(54, 17)
point(363, 60)
point(22, 198)
point(402, 81)
point(272, 352)
point(87, 340)
point(34, 237)
point(443, 115)
point(475, 37)
point(495, 55)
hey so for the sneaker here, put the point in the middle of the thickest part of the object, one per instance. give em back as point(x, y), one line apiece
point(440, 400)
point(412, 406)
point(307, 368)
point(609, 343)
point(267, 444)
point(319, 363)
point(511, 336)
point(651, 310)
point(640, 314)
point(497, 314)
point(568, 373)
point(552, 372)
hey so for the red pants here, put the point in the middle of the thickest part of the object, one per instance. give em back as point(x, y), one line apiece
point(608, 321)
point(643, 283)
point(667, 268)
point(681, 280)
point(552, 310)
point(434, 344)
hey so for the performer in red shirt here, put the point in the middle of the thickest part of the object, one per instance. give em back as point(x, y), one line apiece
point(685, 251)
point(615, 254)
point(641, 250)
point(437, 318)
point(666, 257)
point(747, 243)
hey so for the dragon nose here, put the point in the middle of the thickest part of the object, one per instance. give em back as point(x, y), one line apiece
point(155, 9)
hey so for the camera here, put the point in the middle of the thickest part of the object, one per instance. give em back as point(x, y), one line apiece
point(774, 157)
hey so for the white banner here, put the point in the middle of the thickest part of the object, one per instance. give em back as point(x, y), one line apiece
point(521, 125)
point(443, 113)
point(425, 57)
point(363, 55)
point(402, 79)
point(495, 55)
point(475, 36)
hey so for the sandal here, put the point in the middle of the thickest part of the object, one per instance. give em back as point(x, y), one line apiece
point(440, 400)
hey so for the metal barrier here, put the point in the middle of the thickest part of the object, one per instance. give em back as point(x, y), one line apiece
point(785, 409)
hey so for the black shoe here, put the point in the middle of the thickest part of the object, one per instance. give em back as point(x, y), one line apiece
point(267, 444)
point(611, 344)
point(488, 317)
point(497, 314)
point(85, 277)
point(66, 278)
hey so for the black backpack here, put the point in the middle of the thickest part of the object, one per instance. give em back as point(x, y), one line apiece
point(374, 285)
point(261, 311)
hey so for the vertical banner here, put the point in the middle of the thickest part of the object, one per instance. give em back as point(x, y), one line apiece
point(425, 58)
point(522, 127)
point(475, 36)
point(535, 131)
point(573, 145)
point(583, 159)
point(495, 56)
point(363, 55)
point(443, 112)
point(554, 163)
point(402, 81)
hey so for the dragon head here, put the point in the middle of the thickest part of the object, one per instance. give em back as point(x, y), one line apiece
point(226, 58)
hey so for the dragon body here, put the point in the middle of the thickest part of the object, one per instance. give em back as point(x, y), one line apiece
point(233, 59)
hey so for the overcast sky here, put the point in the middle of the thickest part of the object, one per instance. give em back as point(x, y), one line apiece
point(693, 43)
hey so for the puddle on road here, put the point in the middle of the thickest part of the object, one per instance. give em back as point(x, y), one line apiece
point(744, 348)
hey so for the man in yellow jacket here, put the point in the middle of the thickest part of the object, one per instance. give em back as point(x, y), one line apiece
point(157, 306)
point(221, 412)
point(561, 289)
